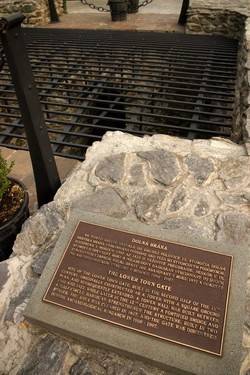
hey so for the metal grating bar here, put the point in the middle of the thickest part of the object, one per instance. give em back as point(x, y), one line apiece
point(91, 81)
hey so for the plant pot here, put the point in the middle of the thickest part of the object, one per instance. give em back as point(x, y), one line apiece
point(133, 6)
point(118, 9)
point(10, 229)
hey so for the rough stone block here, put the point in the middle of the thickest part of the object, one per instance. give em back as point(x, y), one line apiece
point(177, 358)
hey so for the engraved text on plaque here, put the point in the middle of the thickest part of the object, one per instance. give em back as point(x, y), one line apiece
point(163, 289)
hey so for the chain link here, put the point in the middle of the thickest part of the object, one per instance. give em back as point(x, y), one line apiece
point(145, 3)
point(101, 9)
point(93, 6)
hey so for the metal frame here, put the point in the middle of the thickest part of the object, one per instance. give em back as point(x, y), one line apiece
point(44, 166)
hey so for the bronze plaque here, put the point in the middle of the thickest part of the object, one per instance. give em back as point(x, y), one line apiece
point(163, 289)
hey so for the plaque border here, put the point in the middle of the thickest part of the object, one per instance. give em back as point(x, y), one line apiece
point(131, 328)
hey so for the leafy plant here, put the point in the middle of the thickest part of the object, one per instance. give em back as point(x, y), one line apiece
point(5, 169)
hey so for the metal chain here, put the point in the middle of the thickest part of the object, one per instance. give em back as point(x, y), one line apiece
point(93, 6)
point(145, 3)
point(101, 9)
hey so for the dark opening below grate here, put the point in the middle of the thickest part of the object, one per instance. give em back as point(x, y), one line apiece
point(138, 82)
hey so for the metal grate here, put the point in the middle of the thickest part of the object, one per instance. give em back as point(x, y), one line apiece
point(138, 82)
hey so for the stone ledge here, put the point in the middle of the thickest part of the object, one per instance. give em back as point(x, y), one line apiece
point(35, 11)
point(208, 195)
point(240, 6)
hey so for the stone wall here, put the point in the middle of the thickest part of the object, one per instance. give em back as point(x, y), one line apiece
point(216, 21)
point(240, 132)
point(247, 66)
point(231, 19)
point(241, 6)
point(36, 11)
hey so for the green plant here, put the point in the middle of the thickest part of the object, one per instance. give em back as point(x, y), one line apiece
point(5, 169)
